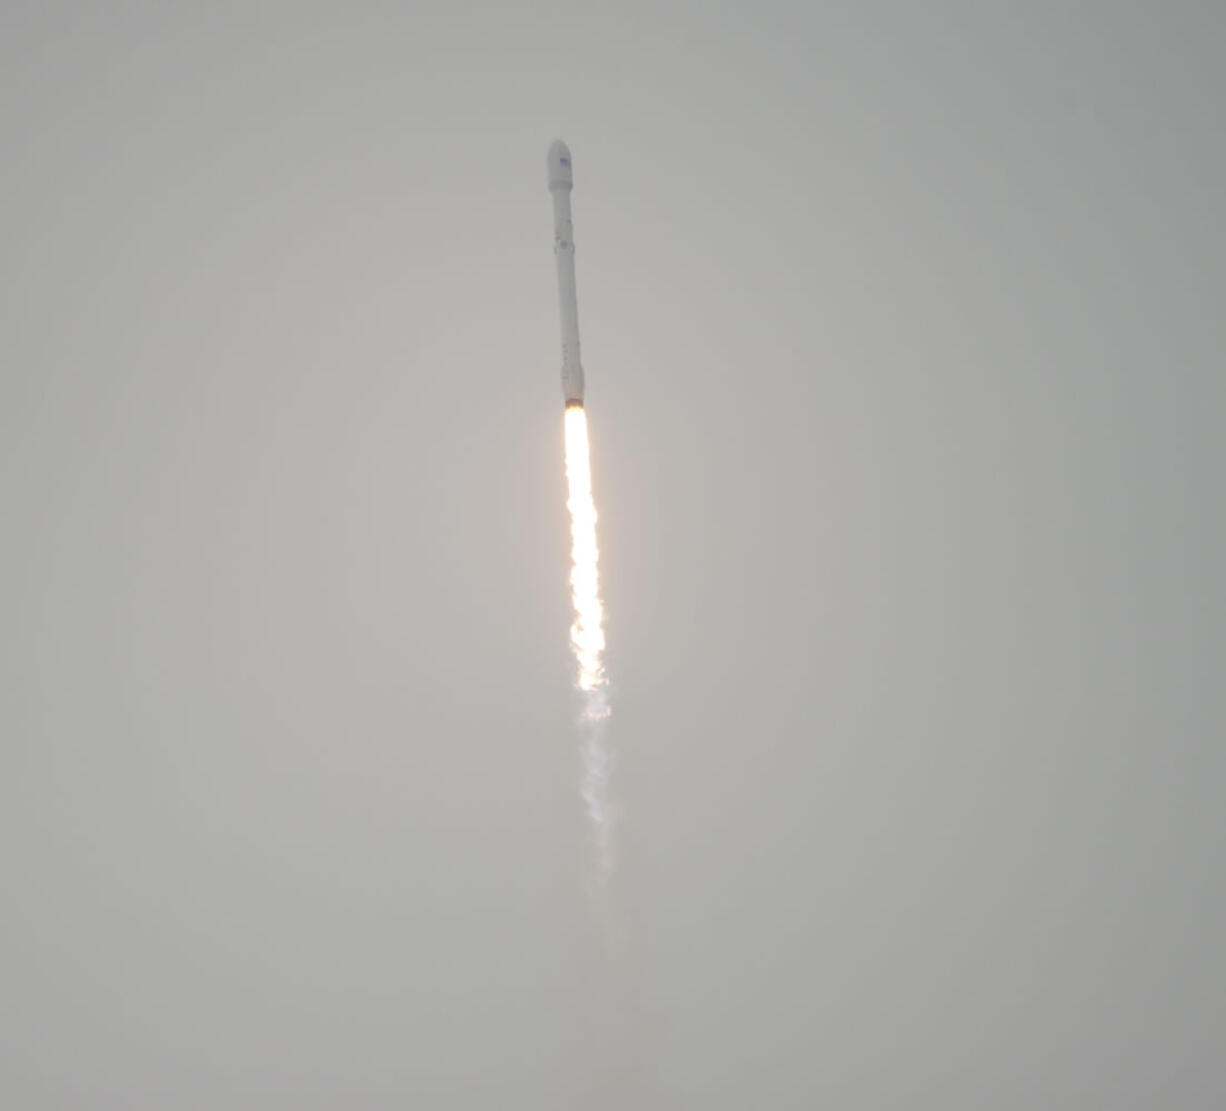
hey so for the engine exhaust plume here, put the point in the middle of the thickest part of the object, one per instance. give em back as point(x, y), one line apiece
point(587, 643)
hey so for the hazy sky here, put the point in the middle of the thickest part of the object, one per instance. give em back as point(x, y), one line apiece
point(903, 330)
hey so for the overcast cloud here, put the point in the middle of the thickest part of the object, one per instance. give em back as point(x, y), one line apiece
point(903, 328)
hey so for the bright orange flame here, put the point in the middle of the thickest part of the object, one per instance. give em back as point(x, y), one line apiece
point(587, 641)
point(586, 633)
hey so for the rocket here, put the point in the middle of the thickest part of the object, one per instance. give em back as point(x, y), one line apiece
point(561, 182)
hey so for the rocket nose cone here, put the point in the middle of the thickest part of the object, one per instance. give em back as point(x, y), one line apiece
point(560, 173)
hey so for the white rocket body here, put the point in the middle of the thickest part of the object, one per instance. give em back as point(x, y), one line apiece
point(561, 182)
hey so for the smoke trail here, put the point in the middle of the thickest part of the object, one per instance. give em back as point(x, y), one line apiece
point(587, 642)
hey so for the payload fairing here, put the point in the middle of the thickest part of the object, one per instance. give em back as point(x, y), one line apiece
point(561, 182)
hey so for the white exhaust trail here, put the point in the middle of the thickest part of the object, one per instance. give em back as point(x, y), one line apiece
point(587, 642)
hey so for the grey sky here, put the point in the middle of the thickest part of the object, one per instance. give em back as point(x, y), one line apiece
point(902, 326)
